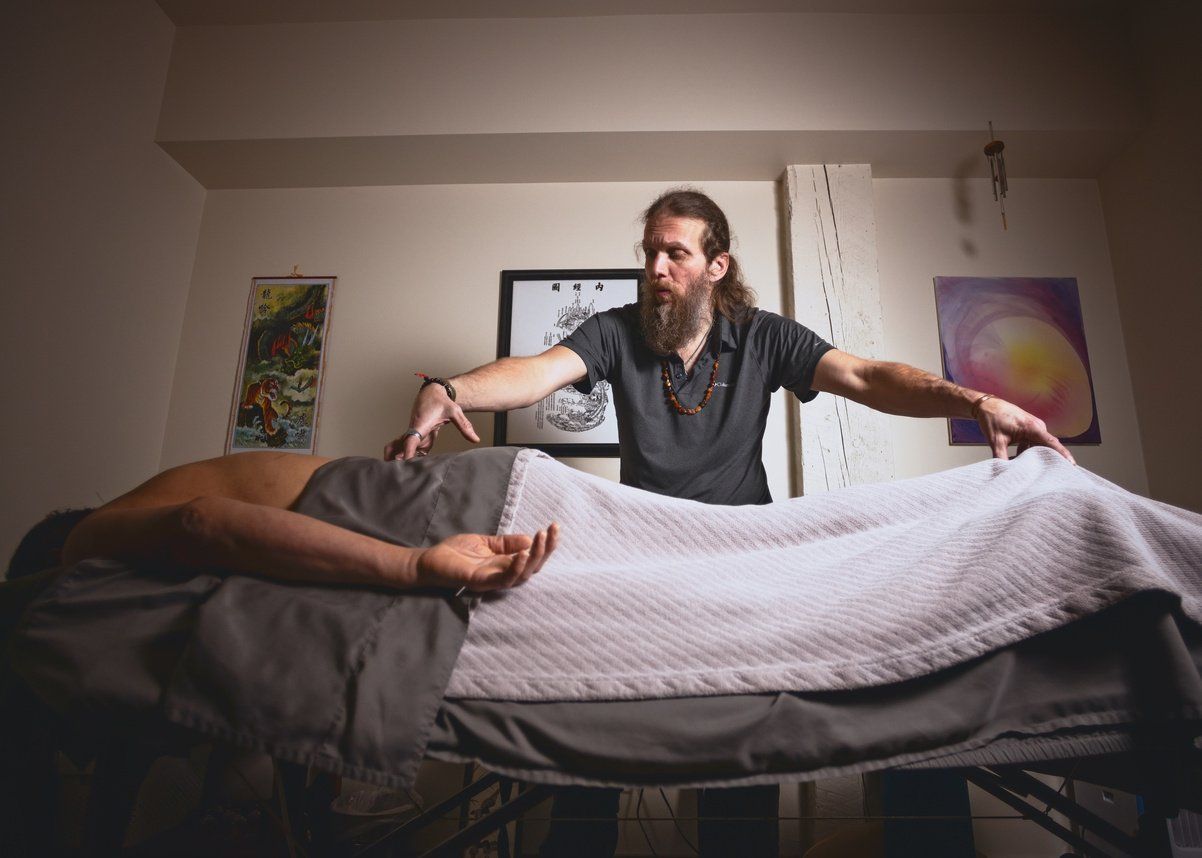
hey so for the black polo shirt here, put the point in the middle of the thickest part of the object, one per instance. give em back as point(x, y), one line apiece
point(714, 455)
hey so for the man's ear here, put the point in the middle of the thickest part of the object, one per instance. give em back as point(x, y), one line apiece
point(718, 266)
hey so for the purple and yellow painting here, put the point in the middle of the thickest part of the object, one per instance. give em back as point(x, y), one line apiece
point(1022, 339)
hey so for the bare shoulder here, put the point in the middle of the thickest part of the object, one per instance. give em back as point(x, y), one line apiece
point(267, 478)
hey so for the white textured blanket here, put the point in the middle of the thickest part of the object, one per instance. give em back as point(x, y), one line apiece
point(650, 596)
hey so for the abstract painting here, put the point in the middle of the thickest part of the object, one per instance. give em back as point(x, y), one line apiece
point(280, 370)
point(1022, 339)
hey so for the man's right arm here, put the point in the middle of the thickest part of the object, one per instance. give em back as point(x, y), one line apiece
point(504, 384)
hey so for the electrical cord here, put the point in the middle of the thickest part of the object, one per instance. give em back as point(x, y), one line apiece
point(675, 824)
point(638, 818)
point(1071, 772)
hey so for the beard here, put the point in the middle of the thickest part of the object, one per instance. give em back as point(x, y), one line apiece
point(668, 326)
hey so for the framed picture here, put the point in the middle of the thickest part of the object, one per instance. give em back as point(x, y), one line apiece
point(538, 309)
point(278, 388)
point(1023, 339)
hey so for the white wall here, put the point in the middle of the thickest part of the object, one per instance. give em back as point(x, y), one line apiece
point(418, 289)
point(928, 227)
point(97, 234)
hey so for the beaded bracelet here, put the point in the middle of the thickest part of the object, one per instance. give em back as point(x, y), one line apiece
point(433, 379)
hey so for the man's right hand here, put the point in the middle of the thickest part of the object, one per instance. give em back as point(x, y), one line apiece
point(504, 384)
point(432, 409)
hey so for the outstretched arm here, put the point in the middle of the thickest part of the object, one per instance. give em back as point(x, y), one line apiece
point(897, 388)
point(218, 532)
point(512, 382)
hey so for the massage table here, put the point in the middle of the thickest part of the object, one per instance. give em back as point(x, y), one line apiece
point(366, 683)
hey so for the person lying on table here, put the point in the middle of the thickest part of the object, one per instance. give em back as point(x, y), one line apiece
point(235, 513)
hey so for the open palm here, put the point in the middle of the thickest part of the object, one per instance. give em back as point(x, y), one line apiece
point(481, 562)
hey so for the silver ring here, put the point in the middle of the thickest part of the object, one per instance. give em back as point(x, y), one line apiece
point(412, 431)
point(422, 453)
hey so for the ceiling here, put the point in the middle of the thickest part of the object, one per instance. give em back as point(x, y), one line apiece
point(220, 160)
point(227, 12)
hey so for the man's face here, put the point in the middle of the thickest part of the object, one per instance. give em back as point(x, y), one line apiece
point(675, 303)
point(673, 258)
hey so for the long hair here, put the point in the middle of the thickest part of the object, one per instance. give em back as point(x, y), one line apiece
point(733, 298)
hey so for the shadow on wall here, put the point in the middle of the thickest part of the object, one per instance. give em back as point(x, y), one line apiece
point(962, 198)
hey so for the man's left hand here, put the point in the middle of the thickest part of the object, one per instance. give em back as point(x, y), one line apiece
point(1004, 423)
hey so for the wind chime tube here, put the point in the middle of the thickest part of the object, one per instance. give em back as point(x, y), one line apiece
point(997, 171)
point(1000, 163)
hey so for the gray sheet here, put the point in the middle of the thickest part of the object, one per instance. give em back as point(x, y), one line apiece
point(345, 679)
point(1124, 681)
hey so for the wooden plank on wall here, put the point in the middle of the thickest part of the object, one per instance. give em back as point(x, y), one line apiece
point(835, 290)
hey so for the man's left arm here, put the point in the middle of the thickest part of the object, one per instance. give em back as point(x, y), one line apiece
point(897, 388)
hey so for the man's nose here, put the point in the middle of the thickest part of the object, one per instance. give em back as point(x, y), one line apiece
point(657, 266)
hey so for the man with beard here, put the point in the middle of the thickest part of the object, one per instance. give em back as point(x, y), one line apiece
point(693, 366)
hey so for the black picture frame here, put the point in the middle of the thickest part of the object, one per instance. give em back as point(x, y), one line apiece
point(541, 309)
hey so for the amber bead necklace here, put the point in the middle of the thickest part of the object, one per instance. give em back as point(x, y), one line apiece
point(666, 375)
point(671, 394)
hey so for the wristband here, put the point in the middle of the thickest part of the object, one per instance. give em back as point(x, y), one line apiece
point(432, 379)
point(975, 411)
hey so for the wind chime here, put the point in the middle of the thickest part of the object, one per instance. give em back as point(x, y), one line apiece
point(997, 171)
